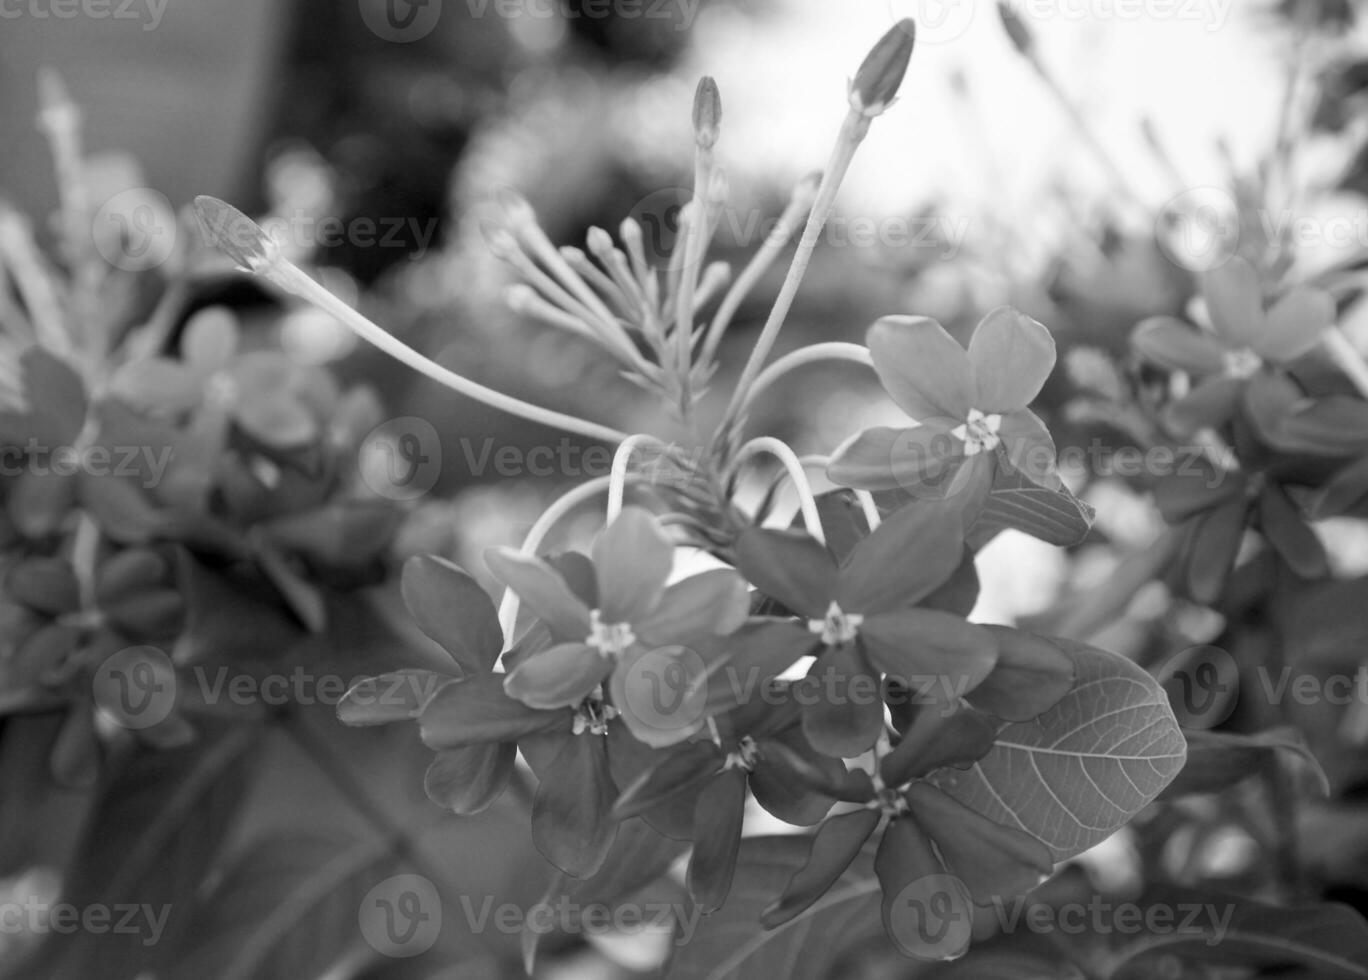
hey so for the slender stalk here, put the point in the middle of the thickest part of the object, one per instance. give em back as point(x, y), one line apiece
point(832, 351)
point(617, 478)
point(781, 451)
point(294, 280)
point(852, 133)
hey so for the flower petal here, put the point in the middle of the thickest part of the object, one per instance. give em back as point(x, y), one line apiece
point(632, 560)
point(476, 710)
point(397, 696)
point(1012, 356)
point(542, 589)
point(780, 791)
point(1234, 301)
point(467, 780)
point(911, 554)
point(1030, 677)
point(834, 847)
point(1295, 325)
point(210, 339)
point(993, 860)
point(1195, 486)
point(937, 654)
point(1289, 534)
point(1212, 546)
point(720, 808)
point(845, 714)
point(453, 611)
point(560, 677)
point(1210, 405)
point(927, 913)
point(1171, 343)
point(572, 821)
point(938, 737)
point(789, 566)
point(897, 459)
point(1028, 448)
point(714, 602)
point(677, 772)
point(662, 693)
point(923, 369)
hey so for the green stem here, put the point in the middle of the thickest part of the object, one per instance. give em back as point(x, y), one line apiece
point(781, 451)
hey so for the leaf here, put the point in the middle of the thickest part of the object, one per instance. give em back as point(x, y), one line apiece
point(286, 909)
point(1219, 759)
point(149, 842)
point(730, 943)
point(1330, 942)
point(1081, 770)
point(1056, 517)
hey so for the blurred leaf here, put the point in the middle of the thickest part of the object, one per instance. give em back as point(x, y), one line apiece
point(1219, 759)
point(1082, 769)
point(149, 842)
point(287, 909)
point(731, 943)
point(1327, 942)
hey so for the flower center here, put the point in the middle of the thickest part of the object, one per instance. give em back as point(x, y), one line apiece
point(837, 627)
point(1242, 363)
point(220, 390)
point(609, 639)
point(593, 715)
point(744, 757)
point(979, 432)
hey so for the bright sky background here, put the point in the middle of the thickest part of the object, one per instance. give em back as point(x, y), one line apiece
point(1205, 72)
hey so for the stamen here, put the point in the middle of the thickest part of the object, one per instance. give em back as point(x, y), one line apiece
point(611, 640)
point(838, 627)
point(745, 756)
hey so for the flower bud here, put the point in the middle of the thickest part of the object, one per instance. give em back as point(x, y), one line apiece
point(1022, 38)
point(237, 235)
point(877, 81)
point(707, 112)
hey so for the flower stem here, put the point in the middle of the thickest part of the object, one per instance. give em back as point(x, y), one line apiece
point(781, 451)
point(853, 132)
point(832, 351)
point(617, 479)
point(294, 280)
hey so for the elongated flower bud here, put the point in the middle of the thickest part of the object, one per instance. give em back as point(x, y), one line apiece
point(242, 239)
point(1022, 38)
point(707, 112)
point(876, 83)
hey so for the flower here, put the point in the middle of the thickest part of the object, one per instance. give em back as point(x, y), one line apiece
point(930, 840)
point(759, 746)
point(861, 620)
point(631, 613)
point(970, 406)
point(1244, 340)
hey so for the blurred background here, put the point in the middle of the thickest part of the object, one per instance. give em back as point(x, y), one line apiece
point(1064, 174)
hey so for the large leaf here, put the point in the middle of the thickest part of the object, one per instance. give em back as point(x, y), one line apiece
point(286, 909)
point(730, 944)
point(1054, 516)
point(1085, 767)
point(151, 839)
point(1325, 942)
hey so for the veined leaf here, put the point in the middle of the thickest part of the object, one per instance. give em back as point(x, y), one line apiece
point(1054, 516)
point(1082, 769)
